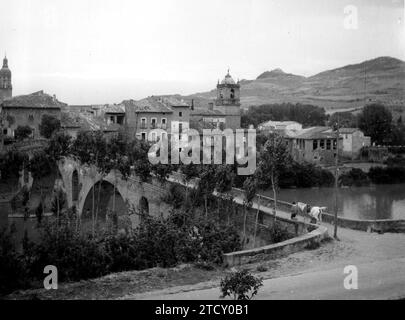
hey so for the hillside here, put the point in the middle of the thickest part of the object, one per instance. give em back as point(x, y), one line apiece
point(381, 79)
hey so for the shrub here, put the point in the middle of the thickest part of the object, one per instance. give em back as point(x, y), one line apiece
point(49, 125)
point(240, 285)
point(12, 275)
point(354, 177)
point(279, 234)
point(388, 175)
point(305, 175)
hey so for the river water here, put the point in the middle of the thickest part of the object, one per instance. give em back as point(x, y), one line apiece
point(373, 202)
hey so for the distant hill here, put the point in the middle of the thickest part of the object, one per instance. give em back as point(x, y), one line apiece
point(377, 80)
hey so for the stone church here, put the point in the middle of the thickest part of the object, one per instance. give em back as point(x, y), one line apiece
point(225, 110)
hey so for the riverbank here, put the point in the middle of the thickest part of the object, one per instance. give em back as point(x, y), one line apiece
point(354, 248)
point(385, 201)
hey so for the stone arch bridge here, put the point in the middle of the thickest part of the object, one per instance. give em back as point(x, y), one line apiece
point(77, 181)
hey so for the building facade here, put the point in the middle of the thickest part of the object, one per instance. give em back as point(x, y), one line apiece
point(353, 141)
point(28, 110)
point(6, 88)
point(156, 117)
point(315, 145)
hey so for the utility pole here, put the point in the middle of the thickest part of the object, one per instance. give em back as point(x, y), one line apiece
point(336, 179)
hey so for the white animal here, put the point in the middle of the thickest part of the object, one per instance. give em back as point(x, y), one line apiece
point(316, 213)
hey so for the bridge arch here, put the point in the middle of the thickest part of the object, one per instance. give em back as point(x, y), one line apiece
point(107, 198)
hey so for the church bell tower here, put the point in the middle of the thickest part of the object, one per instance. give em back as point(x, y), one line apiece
point(228, 101)
point(6, 88)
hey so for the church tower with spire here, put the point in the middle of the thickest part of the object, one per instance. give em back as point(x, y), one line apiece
point(228, 101)
point(6, 88)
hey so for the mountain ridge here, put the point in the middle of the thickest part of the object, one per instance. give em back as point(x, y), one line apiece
point(380, 79)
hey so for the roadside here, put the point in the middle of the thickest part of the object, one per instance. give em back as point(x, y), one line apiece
point(355, 247)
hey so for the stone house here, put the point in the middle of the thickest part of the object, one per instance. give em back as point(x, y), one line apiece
point(353, 141)
point(156, 117)
point(315, 145)
point(27, 110)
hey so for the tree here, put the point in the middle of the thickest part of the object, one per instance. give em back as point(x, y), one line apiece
point(49, 125)
point(307, 115)
point(59, 145)
point(375, 121)
point(206, 185)
point(22, 132)
point(241, 285)
point(273, 159)
point(40, 166)
point(346, 119)
point(250, 190)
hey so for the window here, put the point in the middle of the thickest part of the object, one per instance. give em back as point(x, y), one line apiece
point(163, 121)
point(143, 135)
point(180, 114)
point(164, 135)
point(315, 144)
point(30, 118)
point(153, 123)
point(153, 136)
point(322, 144)
point(328, 144)
point(232, 94)
point(180, 127)
point(334, 144)
point(143, 123)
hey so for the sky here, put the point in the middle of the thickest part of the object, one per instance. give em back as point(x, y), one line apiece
point(104, 51)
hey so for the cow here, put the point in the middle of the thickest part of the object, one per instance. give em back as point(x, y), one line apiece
point(316, 214)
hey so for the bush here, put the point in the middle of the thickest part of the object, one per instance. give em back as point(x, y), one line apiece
point(305, 175)
point(240, 285)
point(49, 125)
point(388, 175)
point(12, 274)
point(354, 177)
point(279, 234)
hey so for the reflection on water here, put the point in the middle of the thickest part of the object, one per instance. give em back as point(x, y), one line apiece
point(374, 202)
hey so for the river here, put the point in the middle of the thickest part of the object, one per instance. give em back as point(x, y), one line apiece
point(373, 202)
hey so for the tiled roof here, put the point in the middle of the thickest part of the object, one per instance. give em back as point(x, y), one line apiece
point(315, 133)
point(172, 101)
point(206, 112)
point(37, 100)
point(150, 104)
point(348, 130)
point(114, 108)
point(277, 123)
point(86, 122)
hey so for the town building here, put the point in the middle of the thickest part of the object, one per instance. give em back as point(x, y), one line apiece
point(353, 141)
point(74, 122)
point(145, 116)
point(315, 145)
point(28, 110)
point(6, 88)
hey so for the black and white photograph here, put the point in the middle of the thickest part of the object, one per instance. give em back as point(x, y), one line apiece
point(202, 156)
